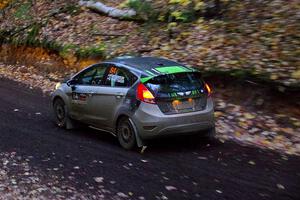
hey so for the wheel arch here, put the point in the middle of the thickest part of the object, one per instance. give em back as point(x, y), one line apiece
point(60, 93)
point(57, 97)
point(139, 141)
point(120, 116)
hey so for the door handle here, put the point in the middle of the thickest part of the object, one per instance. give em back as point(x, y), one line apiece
point(90, 93)
point(120, 95)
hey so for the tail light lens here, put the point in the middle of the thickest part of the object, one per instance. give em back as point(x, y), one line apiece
point(208, 89)
point(143, 94)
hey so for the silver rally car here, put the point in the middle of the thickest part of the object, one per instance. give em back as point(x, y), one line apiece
point(136, 99)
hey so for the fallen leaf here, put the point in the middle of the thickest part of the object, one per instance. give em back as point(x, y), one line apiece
point(249, 116)
point(99, 179)
point(121, 194)
point(251, 162)
point(218, 114)
point(170, 188)
point(143, 149)
point(281, 187)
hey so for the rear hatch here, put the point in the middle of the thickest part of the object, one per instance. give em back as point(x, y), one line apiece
point(178, 92)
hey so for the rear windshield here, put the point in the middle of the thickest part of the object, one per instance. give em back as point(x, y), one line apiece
point(171, 85)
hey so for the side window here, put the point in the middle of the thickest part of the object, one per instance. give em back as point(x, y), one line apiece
point(119, 77)
point(99, 75)
point(92, 76)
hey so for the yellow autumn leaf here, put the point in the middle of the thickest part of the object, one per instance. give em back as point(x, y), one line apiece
point(265, 142)
point(296, 74)
point(237, 134)
point(176, 14)
point(218, 114)
point(161, 18)
point(199, 6)
point(249, 116)
point(297, 123)
point(172, 24)
point(274, 76)
point(166, 48)
point(243, 124)
point(181, 2)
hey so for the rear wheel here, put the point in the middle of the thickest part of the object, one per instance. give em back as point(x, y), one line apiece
point(60, 113)
point(126, 134)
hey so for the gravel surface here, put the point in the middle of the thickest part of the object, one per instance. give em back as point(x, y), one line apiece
point(39, 160)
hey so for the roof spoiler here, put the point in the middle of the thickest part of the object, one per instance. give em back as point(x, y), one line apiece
point(158, 71)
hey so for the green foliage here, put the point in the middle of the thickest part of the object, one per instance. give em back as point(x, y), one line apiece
point(181, 10)
point(51, 45)
point(23, 12)
point(97, 50)
point(190, 10)
point(143, 8)
point(67, 49)
point(72, 9)
point(28, 37)
point(82, 52)
point(176, 10)
point(33, 34)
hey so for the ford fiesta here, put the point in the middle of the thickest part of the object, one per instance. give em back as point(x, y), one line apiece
point(136, 99)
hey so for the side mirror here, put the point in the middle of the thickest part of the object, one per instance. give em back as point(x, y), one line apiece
point(71, 82)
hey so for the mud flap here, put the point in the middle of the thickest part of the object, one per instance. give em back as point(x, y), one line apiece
point(70, 124)
point(139, 141)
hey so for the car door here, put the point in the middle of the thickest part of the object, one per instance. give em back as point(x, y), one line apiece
point(108, 97)
point(83, 90)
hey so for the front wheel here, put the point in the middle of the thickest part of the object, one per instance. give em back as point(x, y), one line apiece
point(60, 113)
point(126, 134)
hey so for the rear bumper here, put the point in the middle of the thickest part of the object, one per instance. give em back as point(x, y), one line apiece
point(151, 122)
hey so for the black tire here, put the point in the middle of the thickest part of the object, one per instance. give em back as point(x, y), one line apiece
point(60, 113)
point(126, 134)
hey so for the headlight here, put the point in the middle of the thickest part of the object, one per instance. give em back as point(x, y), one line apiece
point(57, 85)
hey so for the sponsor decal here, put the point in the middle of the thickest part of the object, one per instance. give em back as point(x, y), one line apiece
point(79, 98)
point(113, 70)
point(166, 70)
point(186, 93)
point(116, 78)
point(173, 69)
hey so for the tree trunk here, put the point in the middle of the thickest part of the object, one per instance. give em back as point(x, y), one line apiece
point(107, 10)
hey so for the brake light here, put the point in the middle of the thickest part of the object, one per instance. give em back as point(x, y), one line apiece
point(143, 94)
point(208, 89)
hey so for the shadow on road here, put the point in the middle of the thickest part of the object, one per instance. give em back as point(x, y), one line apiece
point(161, 145)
